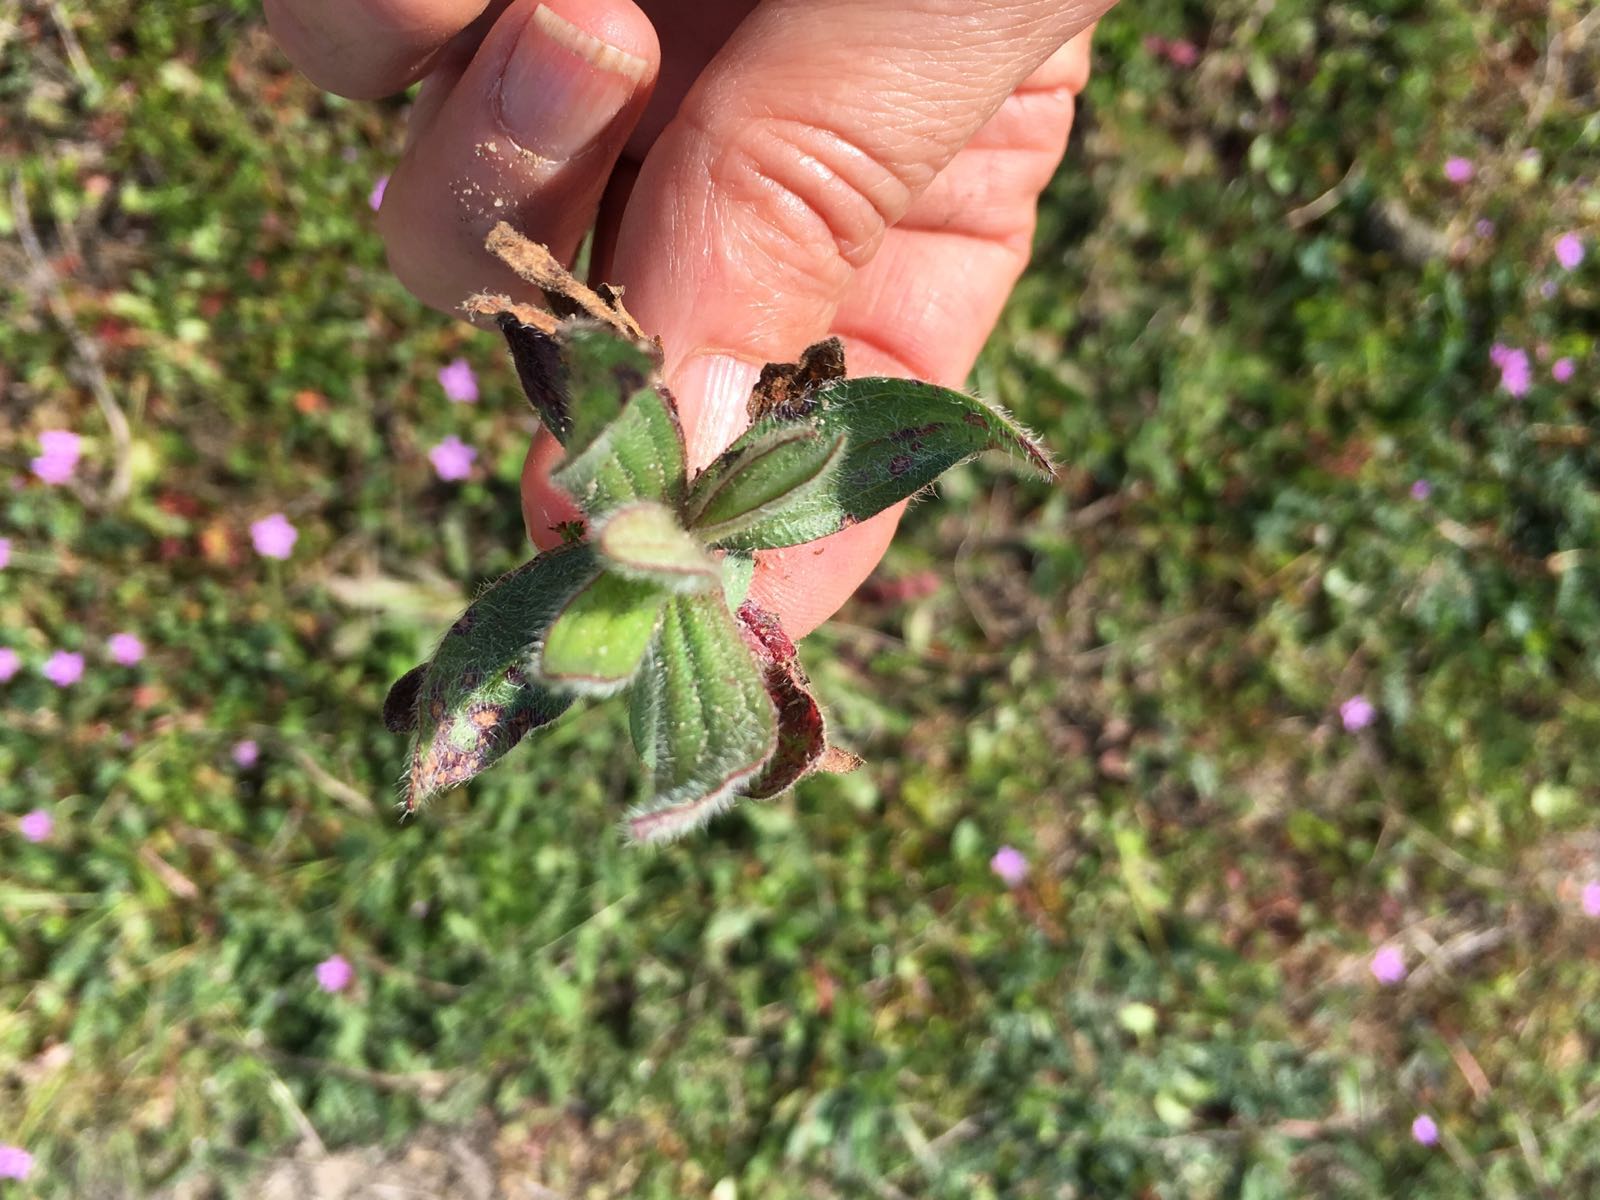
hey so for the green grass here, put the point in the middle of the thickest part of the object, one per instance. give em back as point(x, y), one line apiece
point(1133, 677)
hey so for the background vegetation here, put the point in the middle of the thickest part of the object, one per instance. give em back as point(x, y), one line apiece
point(1261, 312)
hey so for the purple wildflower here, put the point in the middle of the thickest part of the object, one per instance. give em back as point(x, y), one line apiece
point(1561, 370)
point(1425, 1130)
point(1459, 170)
point(375, 199)
point(5, 553)
point(1516, 373)
point(334, 974)
point(37, 825)
point(274, 536)
point(126, 649)
point(1181, 52)
point(1010, 864)
point(63, 668)
point(1388, 965)
point(1569, 251)
point(1357, 713)
point(1547, 289)
point(1484, 228)
point(1421, 489)
point(246, 753)
point(15, 1162)
point(1591, 899)
point(458, 381)
point(452, 459)
point(10, 663)
point(58, 455)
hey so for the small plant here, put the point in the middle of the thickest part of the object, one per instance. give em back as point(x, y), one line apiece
point(648, 590)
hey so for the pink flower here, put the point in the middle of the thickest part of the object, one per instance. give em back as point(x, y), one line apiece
point(63, 668)
point(1569, 251)
point(1357, 713)
point(1388, 965)
point(10, 663)
point(1516, 373)
point(60, 443)
point(1561, 370)
point(245, 753)
point(459, 383)
point(1183, 53)
point(274, 536)
point(58, 457)
point(452, 459)
point(126, 649)
point(1008, 863)
point(334, 974)
point(1498, 353)
point(37, 825)
point(1425, 1130)
point(1421, 489)
point(1155, 44)
point(15, 1162)
point(378, 189)
point(1484, 228)
point(5, 553)
point(1591, 899)
point(1459, 170)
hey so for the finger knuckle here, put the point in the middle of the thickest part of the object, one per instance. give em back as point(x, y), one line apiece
point(812, 189)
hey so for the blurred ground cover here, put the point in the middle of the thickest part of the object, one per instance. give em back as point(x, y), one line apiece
point(1262, 311)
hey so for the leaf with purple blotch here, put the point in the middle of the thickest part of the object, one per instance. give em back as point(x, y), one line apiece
point(475, 699)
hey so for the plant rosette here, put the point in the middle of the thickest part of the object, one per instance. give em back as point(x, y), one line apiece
point(647, 594)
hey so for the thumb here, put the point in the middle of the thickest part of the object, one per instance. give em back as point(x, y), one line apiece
point(527, 131)
point(808, 136)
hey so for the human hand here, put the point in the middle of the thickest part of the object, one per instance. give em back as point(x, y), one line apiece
point(763, 176)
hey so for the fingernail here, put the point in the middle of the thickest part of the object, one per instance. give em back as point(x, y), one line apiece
point(562, 86)
point(714, 391)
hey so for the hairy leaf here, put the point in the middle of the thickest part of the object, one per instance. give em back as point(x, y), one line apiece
point(596, 642)
point(644, 540)
point(701, 718)
point(900, 437)
point(768, 471)
point(638, 456)
point(737, 572)
point(474, 699)
point(580, 377)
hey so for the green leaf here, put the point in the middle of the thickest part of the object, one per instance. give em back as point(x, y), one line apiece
point(770, 470)
point(737, 572)
point(579, 378)
point(638, 456)
point(597, 641)
point(474, 700)
point(701, 718)
point(644, 540)
point(899, 437)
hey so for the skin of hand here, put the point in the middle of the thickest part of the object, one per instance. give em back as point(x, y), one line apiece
point(759, 176)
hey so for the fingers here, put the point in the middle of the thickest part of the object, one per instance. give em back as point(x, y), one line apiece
point(366, 48)
point(925, 304)
point(528, 133)
point(808, 136)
